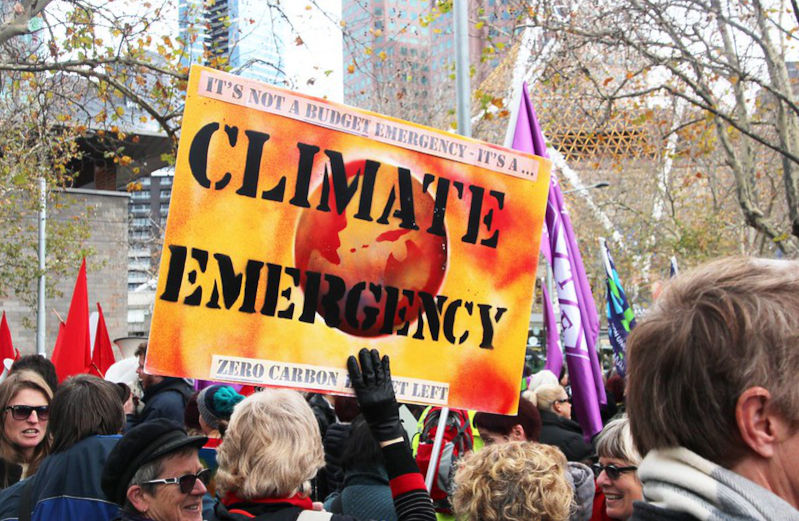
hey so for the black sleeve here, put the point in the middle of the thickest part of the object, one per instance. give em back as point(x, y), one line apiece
point(411, 500)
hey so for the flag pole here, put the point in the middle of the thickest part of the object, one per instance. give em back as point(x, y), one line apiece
point(41, 315)
point(463, 96)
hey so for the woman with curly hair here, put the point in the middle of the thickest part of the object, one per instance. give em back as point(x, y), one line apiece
point(514, 481)
point(25, 405)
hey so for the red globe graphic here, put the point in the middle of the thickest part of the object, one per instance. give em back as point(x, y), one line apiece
point(364, 253)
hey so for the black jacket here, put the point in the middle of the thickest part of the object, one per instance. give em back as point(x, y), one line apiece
point(646, 512)
point(335, 439)
point(67, 485)
point(411, 500)
point(166, 399)
point(566, 435)
point(10, 473)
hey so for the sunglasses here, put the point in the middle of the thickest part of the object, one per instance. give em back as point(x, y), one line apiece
point(23, 412)
point(186, 481)
point(611, 470)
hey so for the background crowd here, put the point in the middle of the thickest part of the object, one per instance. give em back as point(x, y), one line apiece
point(705, 427)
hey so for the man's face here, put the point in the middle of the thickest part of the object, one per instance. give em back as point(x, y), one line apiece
point(146, 379)
point(168, 503)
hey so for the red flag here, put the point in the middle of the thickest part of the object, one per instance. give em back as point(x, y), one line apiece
point(6, 346)
point(72, 352)
point(103, 355)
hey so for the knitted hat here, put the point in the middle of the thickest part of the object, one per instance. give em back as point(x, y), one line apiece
point(142, 444)
point(216, 403)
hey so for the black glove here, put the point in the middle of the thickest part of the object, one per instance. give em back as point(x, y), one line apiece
point(375, 393)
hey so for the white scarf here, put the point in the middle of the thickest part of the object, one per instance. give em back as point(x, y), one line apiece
point(679, 480)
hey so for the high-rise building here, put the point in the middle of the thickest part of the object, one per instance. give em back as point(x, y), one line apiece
point(242, 34)
point(399, 57)
point(387, 53)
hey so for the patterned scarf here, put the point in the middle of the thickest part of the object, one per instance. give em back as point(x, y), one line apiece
point(679, 480)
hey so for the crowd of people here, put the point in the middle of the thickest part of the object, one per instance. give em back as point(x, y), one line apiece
point(706, 427)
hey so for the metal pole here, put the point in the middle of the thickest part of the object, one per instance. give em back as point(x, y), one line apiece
point(463, 96)
point(41, 314)
point(463, 90)
point(437, 442)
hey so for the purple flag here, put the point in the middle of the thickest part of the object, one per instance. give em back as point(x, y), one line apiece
point(554, 355)
point(578, 316)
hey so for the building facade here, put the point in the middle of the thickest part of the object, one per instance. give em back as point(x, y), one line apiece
point(399, 57)
point(106, 214)
point(243, 35)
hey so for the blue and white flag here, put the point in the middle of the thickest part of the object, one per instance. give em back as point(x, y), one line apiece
point(619, 312)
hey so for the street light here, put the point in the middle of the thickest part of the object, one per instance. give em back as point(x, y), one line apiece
point(600, 184)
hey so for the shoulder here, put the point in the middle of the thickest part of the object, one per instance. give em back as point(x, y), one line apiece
point(647, 512)
point(10, 473)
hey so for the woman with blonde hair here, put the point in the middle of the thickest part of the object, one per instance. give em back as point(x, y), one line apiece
point(25, 405)
point(514, 481)
point(557, 427)
point(272, 449)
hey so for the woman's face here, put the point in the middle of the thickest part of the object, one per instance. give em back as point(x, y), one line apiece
point(28, 432)
point(621, 492)
point(491, 437)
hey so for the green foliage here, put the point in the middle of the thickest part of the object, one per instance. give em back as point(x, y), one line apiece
point(75, 77)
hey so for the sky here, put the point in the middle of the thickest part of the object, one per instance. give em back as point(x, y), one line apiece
point(315, 65)
point(320, 57)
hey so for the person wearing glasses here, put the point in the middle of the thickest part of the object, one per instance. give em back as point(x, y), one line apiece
point(155, 474)
point(25, 404)
point(85, 417)
point(616, 473)
point(557, 427)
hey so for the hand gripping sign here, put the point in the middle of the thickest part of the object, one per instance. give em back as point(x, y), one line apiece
point(300, 231)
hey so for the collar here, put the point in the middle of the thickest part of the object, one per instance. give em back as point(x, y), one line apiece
point(296, 500)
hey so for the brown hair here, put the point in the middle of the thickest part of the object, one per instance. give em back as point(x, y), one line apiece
point(84, 405)
point(13, 384)
point(141, 350)
point(528, 417)
point(514, 481)
point(713, 333)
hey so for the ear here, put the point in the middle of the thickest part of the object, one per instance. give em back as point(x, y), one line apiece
point(138, 498)
point(517, 433)
point(757, 423)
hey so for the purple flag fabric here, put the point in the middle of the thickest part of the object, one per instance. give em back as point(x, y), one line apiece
point(554, 355)
point(578, 316)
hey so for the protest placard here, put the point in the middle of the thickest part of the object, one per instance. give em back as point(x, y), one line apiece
point(301, 230)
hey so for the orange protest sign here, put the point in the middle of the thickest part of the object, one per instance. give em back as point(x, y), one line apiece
point(301, 230)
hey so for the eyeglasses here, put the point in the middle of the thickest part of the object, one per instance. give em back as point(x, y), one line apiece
point(23, 412)
point(611, 470)
point(186, 481)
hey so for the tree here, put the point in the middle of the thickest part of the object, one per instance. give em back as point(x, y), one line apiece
point(726, 61)
point(78, 80)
